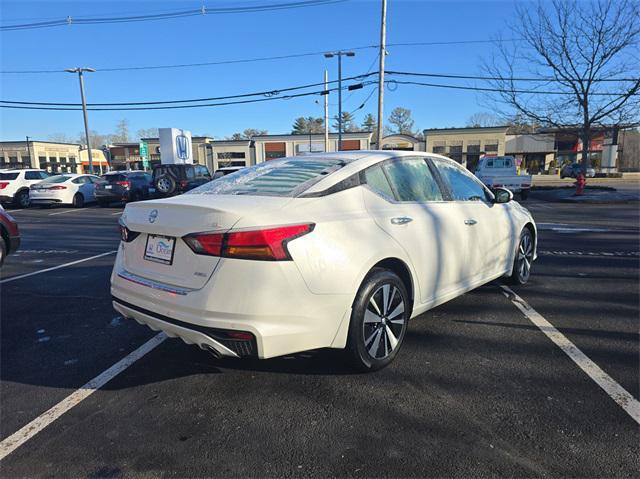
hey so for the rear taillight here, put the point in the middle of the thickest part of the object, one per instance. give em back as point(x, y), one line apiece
point(184, 184)
point(264, 245)
point(126, 234)
point(3, 184)
point(124, 184)
point(58, 187)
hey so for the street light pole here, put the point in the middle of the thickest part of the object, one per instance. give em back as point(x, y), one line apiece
point(339, 54)
point(326, 111)
point(80, 72)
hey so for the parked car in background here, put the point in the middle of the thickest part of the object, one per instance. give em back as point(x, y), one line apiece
point(9, 235)
point(69, 189)
point(125, 186)
point(334, 250)
point(14, 185)
point(501, 172)
point(226, 170)
point(171, 180)
point(574, 169)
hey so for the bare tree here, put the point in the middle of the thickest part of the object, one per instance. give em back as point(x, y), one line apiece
point(147, 133)
point(483, 119)
point(61, 138)
point(402, 121)
point(583, 57)
point(122, 131)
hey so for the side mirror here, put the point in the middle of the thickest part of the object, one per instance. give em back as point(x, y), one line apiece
point(502, 195)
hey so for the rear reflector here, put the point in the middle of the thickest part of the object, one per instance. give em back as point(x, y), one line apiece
point(265, 245)
point(3, 184)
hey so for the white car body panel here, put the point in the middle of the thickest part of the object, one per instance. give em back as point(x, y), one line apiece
point(19, 184)
point(305, 303)
point(45, 193)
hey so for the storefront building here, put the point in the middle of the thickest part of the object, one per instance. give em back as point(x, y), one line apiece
point(271, 147)
point(51, 156)
point(466, 145)
point(402, 143)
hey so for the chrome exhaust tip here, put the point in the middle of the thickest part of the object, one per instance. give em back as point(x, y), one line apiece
point(213, 351)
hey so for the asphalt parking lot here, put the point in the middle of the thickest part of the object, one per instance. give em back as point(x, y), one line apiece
point(479, 388)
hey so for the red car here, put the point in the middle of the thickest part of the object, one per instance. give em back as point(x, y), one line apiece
point(9, 235)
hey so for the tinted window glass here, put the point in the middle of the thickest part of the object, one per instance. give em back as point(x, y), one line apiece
point(80, 180)
point(463, 186)
point(190, 172)
point(44, 175)
point(113, 178)
point(56, 179)
point(412, 180)
point(284, 177)
point(377, 181)
point(31, 175)
point(8, 176)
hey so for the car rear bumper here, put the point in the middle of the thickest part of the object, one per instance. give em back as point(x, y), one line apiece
point(282, 314)
point(45, 201)
point(112, 195)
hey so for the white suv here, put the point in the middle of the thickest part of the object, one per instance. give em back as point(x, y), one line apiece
point(15, 184)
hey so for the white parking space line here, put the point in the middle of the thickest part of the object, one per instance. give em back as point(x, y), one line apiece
point(68, 211)
point(21, 436)
point(15, 278)
point(620, 395)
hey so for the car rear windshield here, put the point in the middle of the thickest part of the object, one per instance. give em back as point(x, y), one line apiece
point(56, 179)
point(8, 176)
point(114, 178)
point(285, 177)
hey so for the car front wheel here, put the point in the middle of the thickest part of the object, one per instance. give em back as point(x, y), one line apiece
point(523, 258)
point(379, 320)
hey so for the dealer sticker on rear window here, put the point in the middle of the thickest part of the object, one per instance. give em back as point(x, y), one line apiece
point(160, 249)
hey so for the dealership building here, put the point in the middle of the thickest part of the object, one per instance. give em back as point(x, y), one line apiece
point(52, 156)
point(216, 154)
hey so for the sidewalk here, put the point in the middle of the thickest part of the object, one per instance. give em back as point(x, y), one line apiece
point(600, 195)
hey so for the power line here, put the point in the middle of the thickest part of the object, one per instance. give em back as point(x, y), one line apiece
point(175, 107)
point(254, 59)
point(203, 11)
point(488, 78)
point(274, 92)
point(497, 90)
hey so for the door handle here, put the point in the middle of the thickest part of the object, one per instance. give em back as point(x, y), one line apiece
point(401, 220)
point(470, 222)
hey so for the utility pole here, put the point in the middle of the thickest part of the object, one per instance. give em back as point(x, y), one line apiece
point(31, 161)
point(383, 53)
point(80, 71)
point(326, 111)
point(339, 54)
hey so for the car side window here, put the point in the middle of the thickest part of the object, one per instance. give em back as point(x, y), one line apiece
point(44, 175)
point(190, 172)
point(32, 175)
point(377, 181)
point(411, 180)
point(463, 186)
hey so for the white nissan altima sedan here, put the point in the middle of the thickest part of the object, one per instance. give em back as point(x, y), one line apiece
point(334, 250)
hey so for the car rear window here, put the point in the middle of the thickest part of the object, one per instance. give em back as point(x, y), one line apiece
point(285, 177)
point(114, 178)
point(8, 176)
point(56, 179)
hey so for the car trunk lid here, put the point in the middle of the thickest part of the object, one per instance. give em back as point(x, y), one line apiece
point(170, 219)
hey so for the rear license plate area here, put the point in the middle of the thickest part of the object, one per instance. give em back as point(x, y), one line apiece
point(160, 249)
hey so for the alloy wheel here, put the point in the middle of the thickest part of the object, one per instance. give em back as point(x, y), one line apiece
point(163, 185)
point(525, 256)
point(384, 320)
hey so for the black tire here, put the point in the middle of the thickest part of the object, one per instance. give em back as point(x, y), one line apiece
point(524, 194)
point(165, 185)
point(3, 250)
point(136, 196)
point(103, 203)
point(21, 199)
point(521, 271)
point(375, 332)
point(78, 200)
